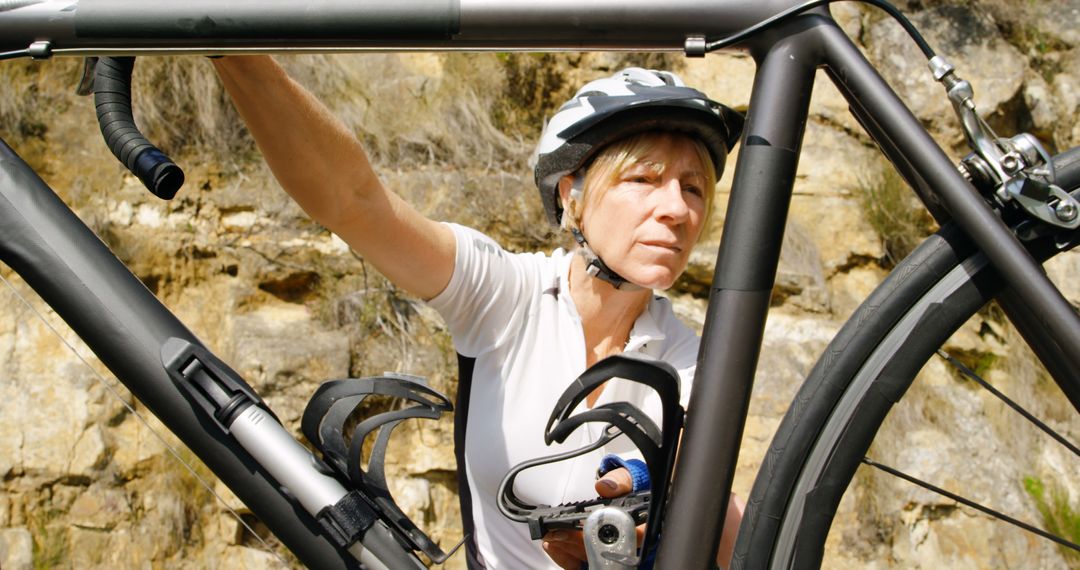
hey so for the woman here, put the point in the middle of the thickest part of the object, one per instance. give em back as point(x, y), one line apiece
point(629, 166)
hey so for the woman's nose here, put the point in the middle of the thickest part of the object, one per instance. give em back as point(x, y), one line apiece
point(672, 202)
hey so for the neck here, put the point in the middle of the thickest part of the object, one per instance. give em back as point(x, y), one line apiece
point(607, 314)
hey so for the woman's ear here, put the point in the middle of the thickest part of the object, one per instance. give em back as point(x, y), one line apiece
point(566, 185)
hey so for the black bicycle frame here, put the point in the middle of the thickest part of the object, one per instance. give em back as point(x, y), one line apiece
point(750, 247)
point(787, 55)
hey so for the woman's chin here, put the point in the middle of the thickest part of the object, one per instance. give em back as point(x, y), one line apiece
point(658, 279)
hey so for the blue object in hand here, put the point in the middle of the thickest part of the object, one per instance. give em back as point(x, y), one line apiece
point(639, 472)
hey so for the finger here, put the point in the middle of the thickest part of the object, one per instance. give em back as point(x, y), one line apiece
point(559, 557)
point(563, 560)
point(615, 483)
point(568, 542)
point(565, 548)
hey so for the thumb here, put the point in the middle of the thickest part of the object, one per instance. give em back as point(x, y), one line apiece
point(615, 483)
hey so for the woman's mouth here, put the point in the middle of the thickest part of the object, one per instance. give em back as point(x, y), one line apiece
point(663, 245)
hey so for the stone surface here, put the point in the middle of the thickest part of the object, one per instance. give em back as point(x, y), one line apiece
point(793, 342)
point(1042, 21)
point(99, 508)
point(243, 557)
point(1062, 271)
point(89, 452)
point(970, 41)
point(16, 549)
point(284, 354)
point(135, 446)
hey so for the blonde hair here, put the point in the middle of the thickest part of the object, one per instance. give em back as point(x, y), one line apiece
point(619, 156)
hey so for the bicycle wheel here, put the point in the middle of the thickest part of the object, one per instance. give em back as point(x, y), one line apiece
point(866, 370)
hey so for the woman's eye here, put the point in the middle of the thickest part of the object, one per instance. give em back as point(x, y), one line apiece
point(694, 190)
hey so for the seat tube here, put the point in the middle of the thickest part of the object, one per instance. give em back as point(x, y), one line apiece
point(739, 298)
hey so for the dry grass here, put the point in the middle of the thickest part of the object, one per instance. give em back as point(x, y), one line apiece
point(182, 108)
point(895, 213)
point(416, 108)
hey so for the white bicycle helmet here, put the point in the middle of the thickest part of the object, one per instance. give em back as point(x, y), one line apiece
point(633, 100)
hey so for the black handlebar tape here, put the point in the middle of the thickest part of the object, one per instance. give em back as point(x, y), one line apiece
point(112, 98)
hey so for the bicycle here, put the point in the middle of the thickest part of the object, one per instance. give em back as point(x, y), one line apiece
point(943, 282)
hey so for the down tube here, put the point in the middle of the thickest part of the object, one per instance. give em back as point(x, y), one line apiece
point(738, 302)
point(125, 325)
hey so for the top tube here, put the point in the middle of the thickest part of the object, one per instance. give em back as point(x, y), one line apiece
point(96, 27)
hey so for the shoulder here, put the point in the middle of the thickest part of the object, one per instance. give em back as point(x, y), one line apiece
point(471, 241)
point(480, 256)
point(491, 291)
point(470, 238)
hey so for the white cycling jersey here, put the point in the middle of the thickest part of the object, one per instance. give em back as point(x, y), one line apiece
point(517, 331)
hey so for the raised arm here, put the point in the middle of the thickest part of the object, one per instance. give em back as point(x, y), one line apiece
point(325, 169)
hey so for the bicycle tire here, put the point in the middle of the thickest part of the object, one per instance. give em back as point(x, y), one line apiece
point(862, 374)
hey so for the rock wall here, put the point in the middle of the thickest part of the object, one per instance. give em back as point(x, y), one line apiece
point(90, 480)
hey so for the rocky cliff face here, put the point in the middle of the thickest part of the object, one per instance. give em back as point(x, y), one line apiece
point(90, 480)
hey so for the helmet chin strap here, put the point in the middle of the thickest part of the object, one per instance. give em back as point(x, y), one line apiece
point(595, 266)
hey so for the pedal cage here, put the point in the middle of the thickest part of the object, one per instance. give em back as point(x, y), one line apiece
point(657, 444)
point(331, 413)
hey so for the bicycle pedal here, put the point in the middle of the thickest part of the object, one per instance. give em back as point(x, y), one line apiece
point(657, 445)
point(572, 516)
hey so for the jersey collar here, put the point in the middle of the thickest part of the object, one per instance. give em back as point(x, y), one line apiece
point(646, 336)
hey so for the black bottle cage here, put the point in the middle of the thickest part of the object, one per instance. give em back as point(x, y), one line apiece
point(657, 445)
point(324, 423)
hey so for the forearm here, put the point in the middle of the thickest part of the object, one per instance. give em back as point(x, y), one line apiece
point(312, 155)
point(323, 167)
point(732, 521)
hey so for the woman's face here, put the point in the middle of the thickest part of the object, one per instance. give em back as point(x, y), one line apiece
point(644, 224)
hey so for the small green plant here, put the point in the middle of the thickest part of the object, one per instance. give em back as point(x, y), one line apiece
point(1059, 517)
point(893, 211)
point(50, 539)
point(979, 362)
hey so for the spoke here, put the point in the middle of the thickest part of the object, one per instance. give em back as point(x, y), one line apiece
point(996, 514)
point(1019, 409)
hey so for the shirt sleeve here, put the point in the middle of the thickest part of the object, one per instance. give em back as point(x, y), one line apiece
point(485, 301)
